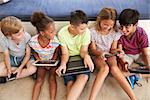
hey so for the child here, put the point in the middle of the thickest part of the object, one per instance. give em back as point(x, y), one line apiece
point(104, 41)
point(133, 42)
point(75, 39)
point(14, 45)
point(45, 46)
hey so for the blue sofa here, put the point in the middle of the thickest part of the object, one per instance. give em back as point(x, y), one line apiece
point(60, 9)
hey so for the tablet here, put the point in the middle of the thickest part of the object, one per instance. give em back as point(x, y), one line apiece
point(142, 70)
point(75, 65)
point(76, 71)
point(46, 63)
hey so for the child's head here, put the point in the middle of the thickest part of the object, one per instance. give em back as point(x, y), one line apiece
point(44, 24)
point(78, 21)
point(12, 27)
point(106, 19)
point(128, 20)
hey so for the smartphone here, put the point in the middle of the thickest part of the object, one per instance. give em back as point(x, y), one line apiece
point(12, 77)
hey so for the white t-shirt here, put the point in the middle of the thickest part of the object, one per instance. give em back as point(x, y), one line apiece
point(104, 42)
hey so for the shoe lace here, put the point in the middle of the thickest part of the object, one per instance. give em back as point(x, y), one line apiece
point(138, 84)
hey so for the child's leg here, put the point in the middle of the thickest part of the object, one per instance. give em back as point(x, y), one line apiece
point(3, 69)
point(69, 81)
point(41, 72)
point(77, 87)
point(69, 85)
point(103, 72)
point(120, 77)
point(28, 71)
point(52, 84)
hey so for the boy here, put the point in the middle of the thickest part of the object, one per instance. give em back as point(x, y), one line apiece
point(74, 39)
point(134, 42)
point(13, 43)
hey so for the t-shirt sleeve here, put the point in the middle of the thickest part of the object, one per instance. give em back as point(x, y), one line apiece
point(92, 35)
point(61, 38)
point(143, 39)
point(117, 36)
point(3, 44)
point(31, 42)
point(86, 37)
point(27, 37)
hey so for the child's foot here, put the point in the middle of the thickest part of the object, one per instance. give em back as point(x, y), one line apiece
point(133, 80)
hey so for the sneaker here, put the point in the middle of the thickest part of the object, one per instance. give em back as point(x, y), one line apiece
point(133, 80)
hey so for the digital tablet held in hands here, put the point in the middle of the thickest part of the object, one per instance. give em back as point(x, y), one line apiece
point(75, 66)
point(46, 63)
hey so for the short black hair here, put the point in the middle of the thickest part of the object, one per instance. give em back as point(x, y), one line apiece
point(129, 16)
point(78, 17)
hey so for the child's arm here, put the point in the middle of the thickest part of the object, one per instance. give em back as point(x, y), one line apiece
point(27, 56)
point(64, 60)
point(56, 53)
point(94, 51)
point(113, 48)
point(7, 62)
point(25, 60)
point(35, 54)
point(123, 63)
point(87, 59)
point(146, 55)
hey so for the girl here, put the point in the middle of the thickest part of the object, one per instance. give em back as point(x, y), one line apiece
point(45, 46)
point(104, 41)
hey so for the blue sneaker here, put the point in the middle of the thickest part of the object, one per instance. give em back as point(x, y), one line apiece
point(133, 80)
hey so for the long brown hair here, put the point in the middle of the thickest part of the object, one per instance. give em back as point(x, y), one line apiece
point(106, 14)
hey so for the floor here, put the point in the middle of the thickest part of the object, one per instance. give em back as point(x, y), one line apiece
point(22, 90)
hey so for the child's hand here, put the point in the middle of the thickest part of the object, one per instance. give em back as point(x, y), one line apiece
point(120, 54)
point(18, 71)
point(114, 51)
point(9, 72)
point(61, 69)
point(88, 62)
point(103, 55)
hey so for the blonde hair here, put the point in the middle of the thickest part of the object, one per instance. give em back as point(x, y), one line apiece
point(11, 25)
point(106, 14)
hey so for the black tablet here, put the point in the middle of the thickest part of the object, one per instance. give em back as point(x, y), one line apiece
point(75, 66)
point(76, 71)
point(46, 63)
point(142, 70)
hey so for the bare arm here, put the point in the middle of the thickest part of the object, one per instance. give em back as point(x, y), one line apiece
point(64, 60)
point(146, 55)
point(56, 53)
point(87, 59)
point(94, 51)
point(7, 61)
point(113, 48)
point(27, 57)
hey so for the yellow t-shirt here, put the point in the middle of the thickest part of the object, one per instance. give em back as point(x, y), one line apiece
point(73, 43)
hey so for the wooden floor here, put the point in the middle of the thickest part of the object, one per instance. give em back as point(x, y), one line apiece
point(22, 90)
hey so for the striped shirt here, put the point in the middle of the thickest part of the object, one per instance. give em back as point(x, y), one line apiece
point(47, 52)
